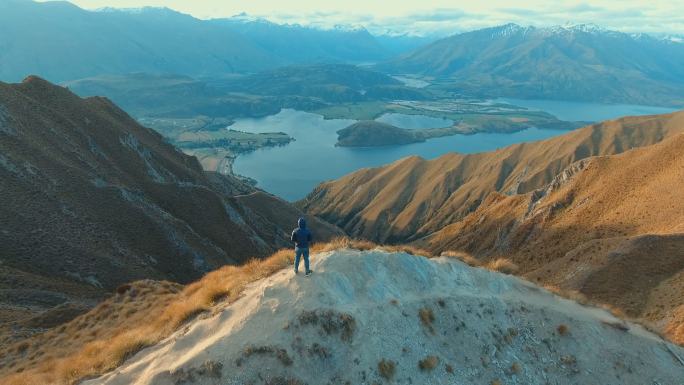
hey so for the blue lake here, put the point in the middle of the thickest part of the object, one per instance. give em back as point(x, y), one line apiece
point(580, 111)
point(292, 171)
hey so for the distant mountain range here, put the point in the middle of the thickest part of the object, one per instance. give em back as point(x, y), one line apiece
point(333, 83)
point(95, 200)
point(304, 87)
point(580, 62)
point(61, 41)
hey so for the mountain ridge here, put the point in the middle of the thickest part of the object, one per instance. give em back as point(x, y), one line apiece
point(338, 321)
point(562, 63)
point(412, 198)
point(608, 228)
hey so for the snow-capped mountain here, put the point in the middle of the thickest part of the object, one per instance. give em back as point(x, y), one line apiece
point(570, 62)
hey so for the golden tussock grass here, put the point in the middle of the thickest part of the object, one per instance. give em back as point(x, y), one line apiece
point(154, 323)
point(463, 257)
point(674, 329)
point(408, 250)
point(343, 243)
point(357, 244)
point(503, 265)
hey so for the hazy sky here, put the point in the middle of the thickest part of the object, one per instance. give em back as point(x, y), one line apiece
point(434, 16)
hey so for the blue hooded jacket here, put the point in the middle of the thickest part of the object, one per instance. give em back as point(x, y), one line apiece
point(301, 236)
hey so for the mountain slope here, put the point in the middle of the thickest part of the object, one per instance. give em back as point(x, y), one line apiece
point(569, 63)
point(371, 317)
point(610, 228)
point(413, 197)
point(94, 200)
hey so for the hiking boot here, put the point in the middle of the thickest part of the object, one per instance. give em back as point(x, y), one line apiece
point(308, 273)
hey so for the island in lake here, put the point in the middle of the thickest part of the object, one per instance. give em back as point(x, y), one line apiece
point(373, 133)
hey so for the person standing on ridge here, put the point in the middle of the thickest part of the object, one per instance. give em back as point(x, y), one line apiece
point(301, 236)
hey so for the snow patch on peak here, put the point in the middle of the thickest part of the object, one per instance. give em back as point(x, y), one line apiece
point(508, 30)
point(244, 17)
point(674, 39)
point(136, 10)
point(348, 28)
point(582, 27)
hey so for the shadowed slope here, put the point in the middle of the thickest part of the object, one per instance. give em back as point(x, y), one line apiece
point(93, 199)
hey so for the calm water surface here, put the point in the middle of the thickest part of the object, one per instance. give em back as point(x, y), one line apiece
point(580, 111)
point(292, 171)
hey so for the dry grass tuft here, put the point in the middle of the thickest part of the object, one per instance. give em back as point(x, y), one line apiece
point(343, 243)
point(330, 322)
point(503, 265)
point(427, 317)
point(563, 329)
point(428, 363)
point(516, 368)
point(463, 257)
point(386, 368)
point(674, 330)
point(279, 353)
point(407, 249)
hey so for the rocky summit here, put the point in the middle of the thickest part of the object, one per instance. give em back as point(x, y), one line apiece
point(371, 317)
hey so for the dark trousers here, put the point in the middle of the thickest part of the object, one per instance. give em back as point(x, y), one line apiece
point(299, 252)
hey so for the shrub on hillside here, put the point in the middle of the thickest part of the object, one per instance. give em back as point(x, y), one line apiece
point(428, 363)
point(386, 368)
